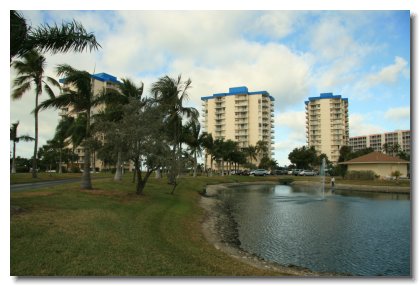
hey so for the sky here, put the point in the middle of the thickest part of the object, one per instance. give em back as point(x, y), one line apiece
point(292, 54)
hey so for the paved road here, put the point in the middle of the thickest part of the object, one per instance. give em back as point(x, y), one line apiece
point(44, 184)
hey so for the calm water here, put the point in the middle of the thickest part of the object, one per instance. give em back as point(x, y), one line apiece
point(356, 233)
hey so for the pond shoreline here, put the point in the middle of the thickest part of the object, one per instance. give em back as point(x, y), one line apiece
point(359, 188)
point(219, 229)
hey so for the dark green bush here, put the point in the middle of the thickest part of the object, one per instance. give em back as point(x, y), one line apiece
point(360, 175)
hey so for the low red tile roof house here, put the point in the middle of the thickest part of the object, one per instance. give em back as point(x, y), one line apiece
point(374, 158)
point(381, 164)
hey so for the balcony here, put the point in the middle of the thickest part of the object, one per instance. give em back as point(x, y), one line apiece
point(241, 126)
point(241, 115)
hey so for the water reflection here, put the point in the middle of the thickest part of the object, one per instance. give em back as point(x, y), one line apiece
point(358, 233)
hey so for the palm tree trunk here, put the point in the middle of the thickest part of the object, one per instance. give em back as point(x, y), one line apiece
point(211, 166)
point(205, 164)
point(118, 174)
point(86, 181)
point(14, 157)
point(195, 165)
point(34, 165)
point(223, 169)
point(59, 164)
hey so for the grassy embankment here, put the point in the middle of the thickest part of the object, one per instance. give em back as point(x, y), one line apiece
point(111, 231)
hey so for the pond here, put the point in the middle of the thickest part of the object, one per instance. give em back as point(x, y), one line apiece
point(353, 233)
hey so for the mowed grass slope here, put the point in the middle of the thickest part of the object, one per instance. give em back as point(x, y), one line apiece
point(111, 231)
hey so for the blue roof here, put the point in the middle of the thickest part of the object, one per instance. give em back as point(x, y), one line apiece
point(99, 76)
point(238, 90)
point(325, 95)
point(105, 77)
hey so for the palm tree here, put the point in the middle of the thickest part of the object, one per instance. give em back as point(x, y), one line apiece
point(81, 99)
point(62, 133)
point(262, 148)
point(208, 144)
point(194, 140)
point(70, 36)
point(251, 152)
point(395, 149)
point(228, 151)
point(386, 148)
point(30, 71)
point(15, 139)
point(170, 94)
point(218, 152)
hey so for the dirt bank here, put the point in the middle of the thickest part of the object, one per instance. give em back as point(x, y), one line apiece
point(219, 229)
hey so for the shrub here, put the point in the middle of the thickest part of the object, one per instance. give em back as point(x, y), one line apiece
point(360, 175)
point(75, 169)
point(396, 174)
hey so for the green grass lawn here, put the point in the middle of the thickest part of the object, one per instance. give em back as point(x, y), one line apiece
point(111, 231)
point(20, 178)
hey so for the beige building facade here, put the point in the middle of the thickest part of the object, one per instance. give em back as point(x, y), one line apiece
point(240, 115)
point(376, 141)
point(327, 124)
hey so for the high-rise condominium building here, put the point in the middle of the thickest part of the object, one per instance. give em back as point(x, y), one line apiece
point(327, 124)
point(99, 82)
point(377, 141)
point(240, 115)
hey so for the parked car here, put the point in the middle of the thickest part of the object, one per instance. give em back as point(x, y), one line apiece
point(307, 173)
point(280, 172)
point(296, 171)
point(244, 173)
point(259, 172)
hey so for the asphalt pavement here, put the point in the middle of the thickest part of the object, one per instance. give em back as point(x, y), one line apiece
point(43, 184)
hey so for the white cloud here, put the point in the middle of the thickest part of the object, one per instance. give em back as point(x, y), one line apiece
point(332, 39)
point(338, 52)
point(275, 24)
point(290, 134)
point(359, 125)
point(398, 113)
point(387, 75)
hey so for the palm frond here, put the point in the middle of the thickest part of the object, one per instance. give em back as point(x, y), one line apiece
point(49, 91)
point(22, 79)
point(53, 81)
point(25, 138)
point(70, 36)
point(58, 102)
point(18, 32)
point(20, 90)
point(65, 69)
point(13, 131)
